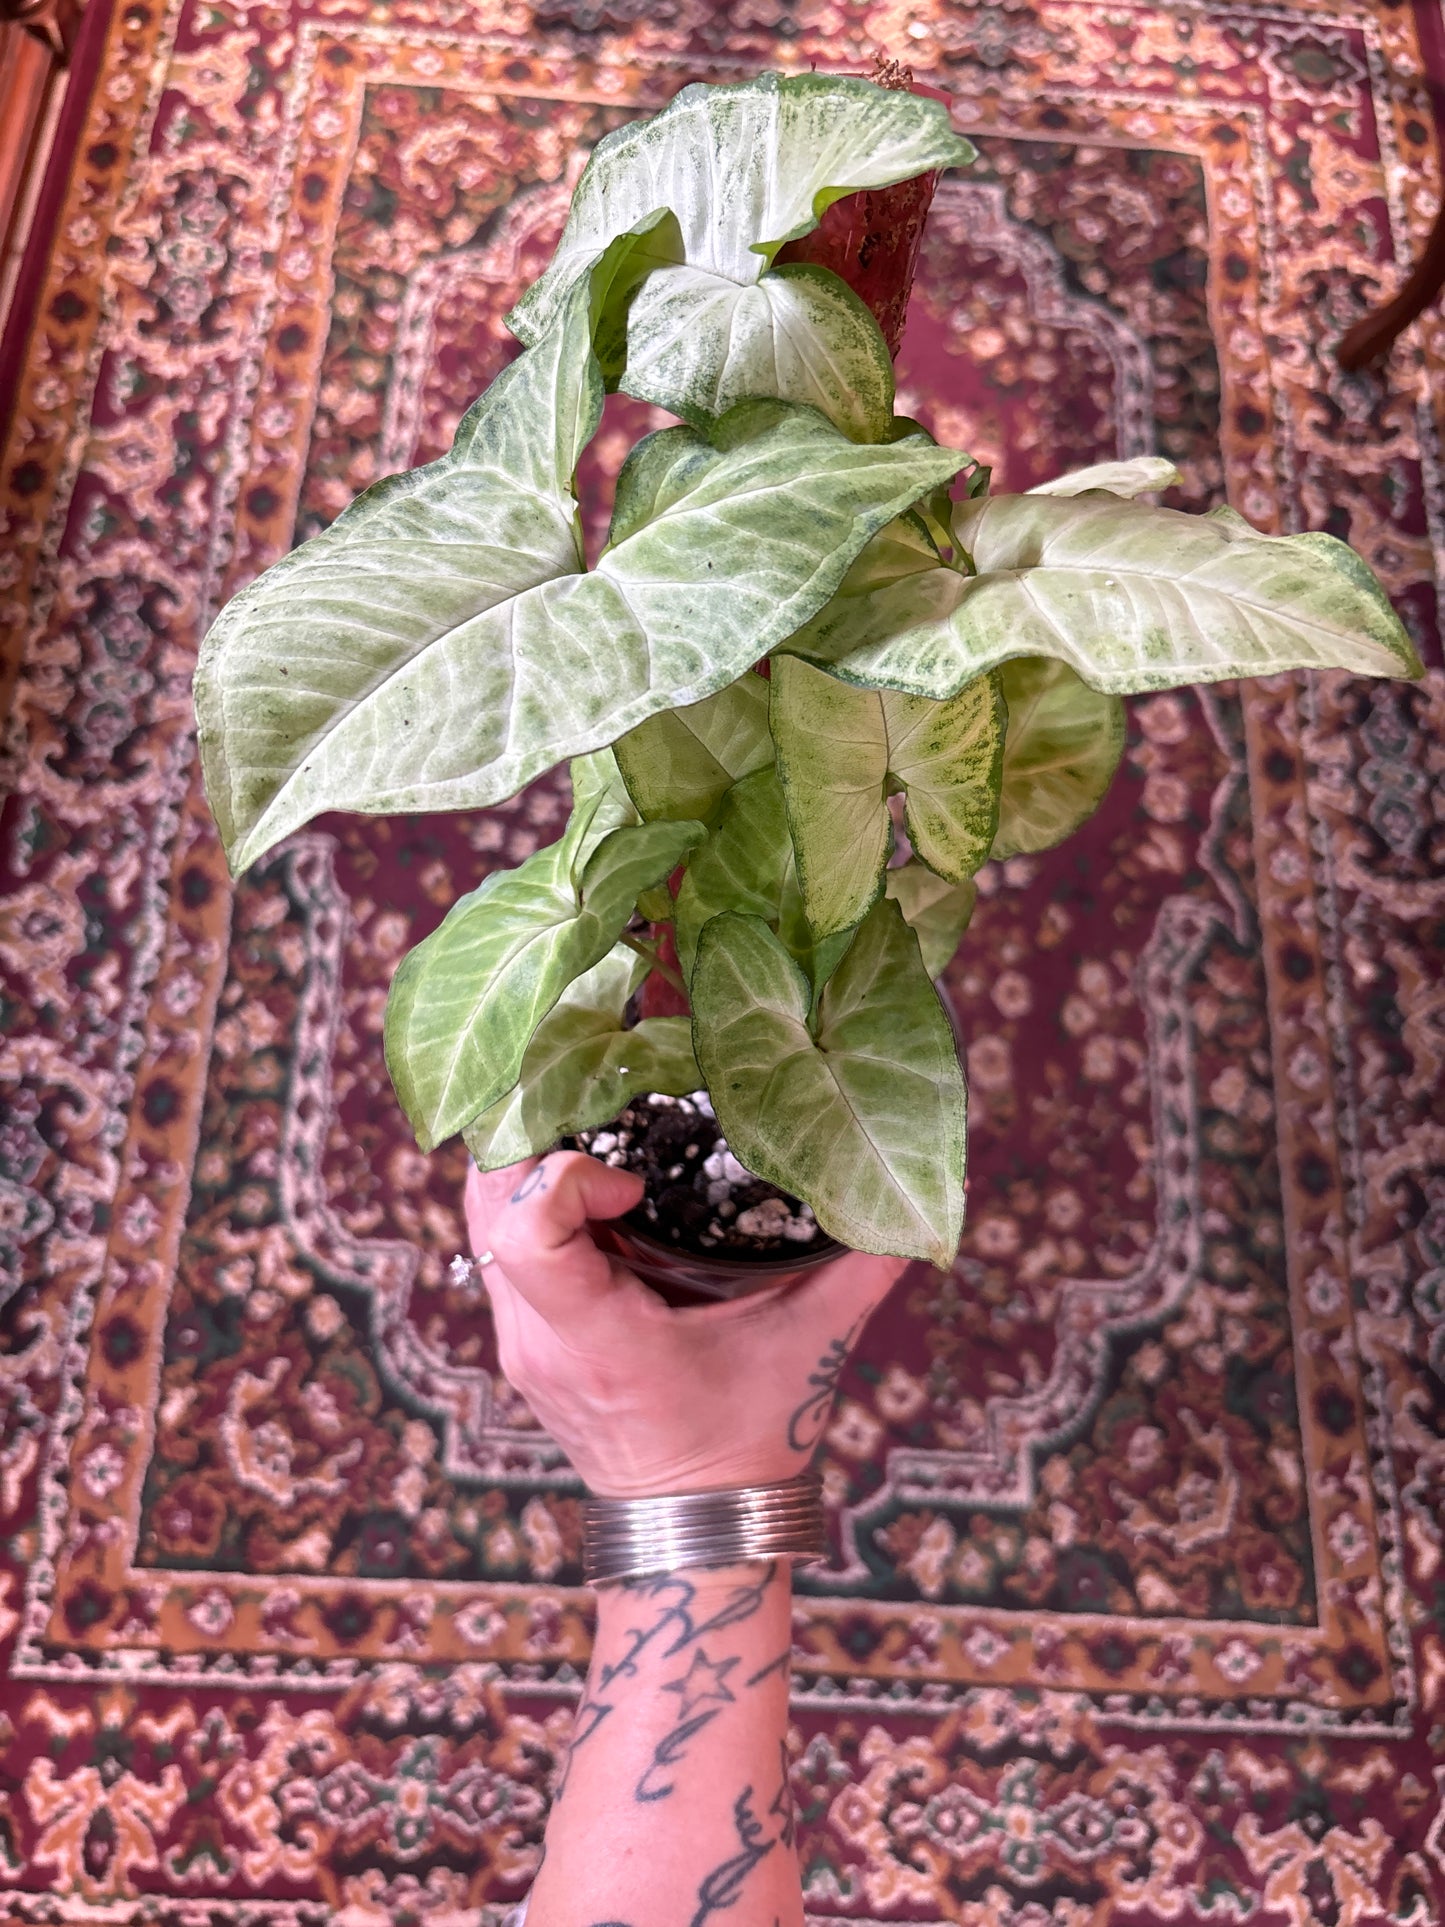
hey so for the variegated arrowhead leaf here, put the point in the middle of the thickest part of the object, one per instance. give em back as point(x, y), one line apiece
point(865, 1120)
point(817, 957)
point(466, 1001)
point(334, 680)
point(742, 169)
point(441, 643)
point(743, 865)
point(1063, 745)
point(1132, 597)
point(746, 865)
point(681, 764)
point(937, 911)
point(1141, 476)
point(832, 747)
point(600, 802)
point(841, 752)
point(581, 1066)
point(698, 344)
point(901, 549)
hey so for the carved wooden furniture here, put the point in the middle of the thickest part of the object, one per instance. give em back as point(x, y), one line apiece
point(1371, 339)
point(37, 38)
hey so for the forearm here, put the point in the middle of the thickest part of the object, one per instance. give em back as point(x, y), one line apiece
point(674, 1808)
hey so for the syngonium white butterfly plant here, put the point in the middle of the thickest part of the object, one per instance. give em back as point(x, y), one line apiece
point(444, 642)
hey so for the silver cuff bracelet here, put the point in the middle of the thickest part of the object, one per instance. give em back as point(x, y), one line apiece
point(640, 1538)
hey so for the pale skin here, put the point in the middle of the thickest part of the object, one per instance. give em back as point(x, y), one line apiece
point(673, 1808)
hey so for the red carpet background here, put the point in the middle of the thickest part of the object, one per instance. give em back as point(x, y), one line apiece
point(1136, 1608)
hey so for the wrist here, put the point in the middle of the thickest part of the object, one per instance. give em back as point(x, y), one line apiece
point(765, 1576)
point(685, 1484)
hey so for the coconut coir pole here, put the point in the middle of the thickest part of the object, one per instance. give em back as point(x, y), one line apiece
point(870, 240)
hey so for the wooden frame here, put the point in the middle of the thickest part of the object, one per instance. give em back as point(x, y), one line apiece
point(37, 39)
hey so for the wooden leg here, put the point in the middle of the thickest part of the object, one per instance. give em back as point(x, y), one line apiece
point(30, 87)
point(37, 38)
point(1371, 339)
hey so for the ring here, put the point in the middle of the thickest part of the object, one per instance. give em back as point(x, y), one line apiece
point(467, 1271)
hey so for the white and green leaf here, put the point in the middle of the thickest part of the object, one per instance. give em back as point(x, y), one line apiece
point(947, 758)
point(864, 1120)
point(832, 749)
point(743, 866)
point(817, 957)
point(335, 679)
point(1130, 596)
point(747, 866)
point(442, 643)
point(698, 344)
point(843, 750)
point(682, 763)
point(903, 548)
point(465, 1003)
point(741, 169)
point(936, 910)
point(1142, 475)
point(1063, 745)
point(582, 1066)
point(744, 168)
point(600, 802)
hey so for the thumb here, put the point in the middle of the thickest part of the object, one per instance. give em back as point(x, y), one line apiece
point(539, 1236)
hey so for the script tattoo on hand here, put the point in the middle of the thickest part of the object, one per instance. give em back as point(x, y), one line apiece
point(722, 1886)
point(805, 1427)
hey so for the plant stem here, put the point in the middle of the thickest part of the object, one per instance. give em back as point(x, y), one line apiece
point(663, 968)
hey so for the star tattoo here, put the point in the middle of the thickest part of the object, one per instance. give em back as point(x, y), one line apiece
point(702, 1681)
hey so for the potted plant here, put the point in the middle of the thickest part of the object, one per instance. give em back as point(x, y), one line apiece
point(815, 643)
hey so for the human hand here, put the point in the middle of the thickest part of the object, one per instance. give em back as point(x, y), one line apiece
point(646, 1399)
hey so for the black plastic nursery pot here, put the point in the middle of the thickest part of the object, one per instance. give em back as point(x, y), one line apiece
point(683, 1239)
point(687, 1278)
point(707, 1228)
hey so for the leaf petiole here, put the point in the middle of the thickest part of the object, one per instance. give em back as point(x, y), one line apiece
point(663, 969)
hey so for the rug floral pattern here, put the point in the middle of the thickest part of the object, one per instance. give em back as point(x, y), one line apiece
point(1136, 1604)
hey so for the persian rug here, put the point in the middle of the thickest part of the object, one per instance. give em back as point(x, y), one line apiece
point(1135, 1611)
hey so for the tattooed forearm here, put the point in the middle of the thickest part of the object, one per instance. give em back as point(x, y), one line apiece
point(679, 1595)
point(743, 1602)
point(703, 1681)
point(590, 1715)
point(778, 1665)
point(674, 1654)
point(722, 1886)
point(782, 1807)
point(805, 1427)
point(668, 1751)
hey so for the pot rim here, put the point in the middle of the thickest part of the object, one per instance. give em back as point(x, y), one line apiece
point(762, 1268)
